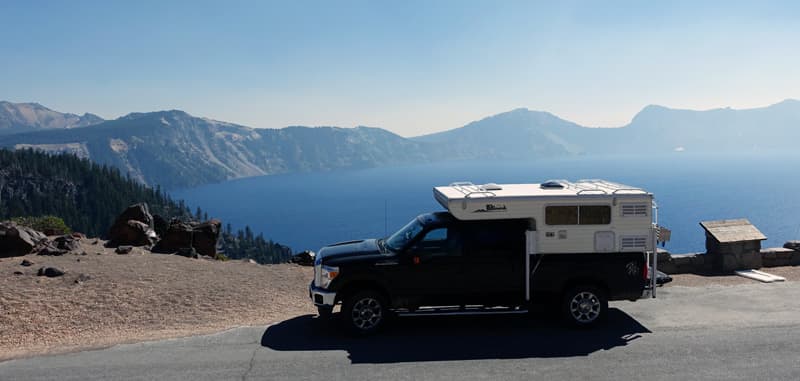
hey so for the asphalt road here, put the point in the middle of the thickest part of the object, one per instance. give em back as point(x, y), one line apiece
point(732, 333)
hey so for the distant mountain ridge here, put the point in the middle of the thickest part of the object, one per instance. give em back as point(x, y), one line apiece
point(174, 149)
point(23, 117)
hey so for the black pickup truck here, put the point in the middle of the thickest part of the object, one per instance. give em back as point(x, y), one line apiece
point(439, 264)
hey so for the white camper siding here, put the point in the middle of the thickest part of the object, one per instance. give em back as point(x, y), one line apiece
point(630, 209)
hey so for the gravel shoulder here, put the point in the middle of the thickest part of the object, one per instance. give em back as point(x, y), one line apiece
point(142, 296)
point(137, 297)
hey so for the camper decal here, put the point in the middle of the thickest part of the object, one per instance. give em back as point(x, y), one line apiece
point(492, 208)
point(633, 268)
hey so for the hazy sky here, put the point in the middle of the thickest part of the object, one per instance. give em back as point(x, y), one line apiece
point(411, 67)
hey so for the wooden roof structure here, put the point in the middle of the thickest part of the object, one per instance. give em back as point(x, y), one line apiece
point(726, 231)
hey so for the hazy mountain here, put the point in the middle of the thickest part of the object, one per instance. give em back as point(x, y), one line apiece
point(23, 117)
point(776, 127)
point(175, 149)
point(520, 133)
point(524, 134)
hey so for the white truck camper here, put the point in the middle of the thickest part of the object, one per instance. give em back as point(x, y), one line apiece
point(585, 216)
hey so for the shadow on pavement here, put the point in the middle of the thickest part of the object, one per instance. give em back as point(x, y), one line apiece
point(413, 339)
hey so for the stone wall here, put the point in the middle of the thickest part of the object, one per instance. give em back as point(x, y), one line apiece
point(702, 263)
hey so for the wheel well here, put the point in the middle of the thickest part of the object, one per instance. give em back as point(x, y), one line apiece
point(361, 285)
point(600, 285)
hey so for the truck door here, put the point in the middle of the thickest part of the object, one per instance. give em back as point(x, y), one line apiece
point(435, 268)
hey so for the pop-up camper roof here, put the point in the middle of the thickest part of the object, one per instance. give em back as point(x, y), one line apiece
point(466, 200)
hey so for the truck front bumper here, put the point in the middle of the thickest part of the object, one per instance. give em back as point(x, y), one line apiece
point(321, 297)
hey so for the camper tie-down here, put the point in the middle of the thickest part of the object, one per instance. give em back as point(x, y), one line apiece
point(500, 248)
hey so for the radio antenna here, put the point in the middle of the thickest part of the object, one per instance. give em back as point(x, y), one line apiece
point(385, 218)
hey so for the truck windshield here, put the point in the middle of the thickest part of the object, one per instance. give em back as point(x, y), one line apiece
point(403, 236)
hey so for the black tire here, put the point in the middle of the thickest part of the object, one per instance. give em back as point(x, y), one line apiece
point(364, 312)
point(584, 306)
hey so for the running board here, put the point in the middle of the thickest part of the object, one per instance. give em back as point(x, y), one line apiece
point(462, 311)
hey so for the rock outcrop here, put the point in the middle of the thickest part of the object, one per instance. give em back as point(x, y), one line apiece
point(133, 227)
point(18, 240)
point(200, 236)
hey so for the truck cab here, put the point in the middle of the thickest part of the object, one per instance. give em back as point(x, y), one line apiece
point(439, 263)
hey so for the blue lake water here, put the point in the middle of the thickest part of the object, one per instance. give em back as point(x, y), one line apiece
point(309, 210)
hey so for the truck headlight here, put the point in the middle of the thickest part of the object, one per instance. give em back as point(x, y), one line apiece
point(327, 274)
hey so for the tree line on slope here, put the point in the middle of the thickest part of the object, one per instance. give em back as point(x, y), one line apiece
point(89, 196)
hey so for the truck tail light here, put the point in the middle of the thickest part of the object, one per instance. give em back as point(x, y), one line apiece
point(646, 271)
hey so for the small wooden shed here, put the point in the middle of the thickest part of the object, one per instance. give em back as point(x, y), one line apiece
point(733, 244)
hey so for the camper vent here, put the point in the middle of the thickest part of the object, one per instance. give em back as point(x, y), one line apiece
point(634, 210)
point(633, 242)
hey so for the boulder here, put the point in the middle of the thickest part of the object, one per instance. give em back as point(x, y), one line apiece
point(18, 273)
point(67, 242)
point(160, 225)
point(50, 272)
point(16, 241)
point(794, 245)
point(304, 258)
point(200, 236)
point(48, 248)
point(133, 227)
point(26, 263)
point(206, 235)
point(188, 252)
point(124, 249)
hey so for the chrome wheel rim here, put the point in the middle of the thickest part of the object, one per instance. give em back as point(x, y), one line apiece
point(584, 307)
point(367, 313)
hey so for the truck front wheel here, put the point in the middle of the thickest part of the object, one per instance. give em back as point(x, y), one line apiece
point(584, 305)
point(364, 312)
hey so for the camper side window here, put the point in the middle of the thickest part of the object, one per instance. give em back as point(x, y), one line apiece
point(595, 215)
point(561, 215)
point(577, 215)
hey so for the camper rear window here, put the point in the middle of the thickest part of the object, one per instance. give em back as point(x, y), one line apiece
point(577, 215)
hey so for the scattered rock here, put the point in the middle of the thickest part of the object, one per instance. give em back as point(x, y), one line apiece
point(18, 273)
point(67, 242)
point(133, 227)
point(83, 253)
point(26, 263)
point(78, 236)
point(16, 241)
point(794, 245)
point(202, 237)
point(50, 272)
point(95, 242)
point(304, 258)
point(252, 261)
point(124, 249)
point(82, 278)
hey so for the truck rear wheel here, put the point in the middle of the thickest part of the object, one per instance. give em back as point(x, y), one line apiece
point(364, 312)
point(584, 305)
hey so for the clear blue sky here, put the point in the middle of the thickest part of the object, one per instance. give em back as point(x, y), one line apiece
point(408, 66)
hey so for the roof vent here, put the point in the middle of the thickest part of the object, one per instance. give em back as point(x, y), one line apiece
point(551, 185)
point(491, 187)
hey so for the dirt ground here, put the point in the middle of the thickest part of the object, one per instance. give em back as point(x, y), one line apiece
point(139, 296)
point(142, 296)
